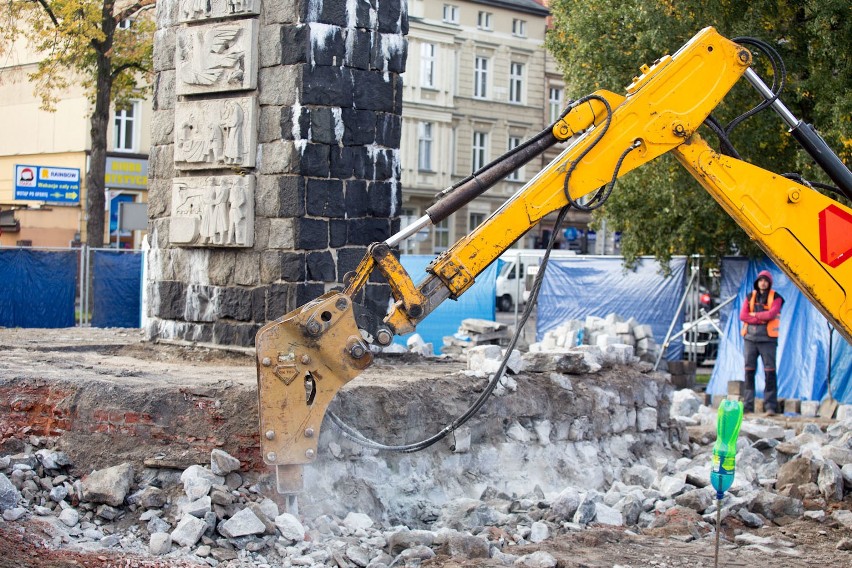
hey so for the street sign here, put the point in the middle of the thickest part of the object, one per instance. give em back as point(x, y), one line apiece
point(126, 173)
point(46, 183)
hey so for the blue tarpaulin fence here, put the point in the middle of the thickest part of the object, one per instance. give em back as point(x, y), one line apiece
point(37, 287)
point(478, 302)
point(117, 289)
point(803, 342)
point(574, 288)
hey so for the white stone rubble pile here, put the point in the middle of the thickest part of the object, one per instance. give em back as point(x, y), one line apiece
point(214, 515)
point(618, 339)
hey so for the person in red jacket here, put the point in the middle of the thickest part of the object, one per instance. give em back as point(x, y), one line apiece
point(760, 314)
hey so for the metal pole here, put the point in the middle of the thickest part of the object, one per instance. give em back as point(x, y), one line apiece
point(82, 280)
point(408, 231)
point(86, 280)
point(118, 227)
point(665, 344)
point(708, 314)
point(807, 137)
point(518, 292)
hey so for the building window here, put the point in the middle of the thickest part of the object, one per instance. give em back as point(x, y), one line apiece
point(516, 83)
point(407, 216)
point(554, 103)
point(474, 220)
point(480, 150)
point(126, 128)
point(514, 142)
point(451, 14)
point(483, 22)
point(480, 78)
point(519, 28)
point(441, 236)
point(427, 64)
point(424, 146)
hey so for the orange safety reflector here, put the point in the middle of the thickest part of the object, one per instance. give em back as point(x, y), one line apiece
point(835, 236)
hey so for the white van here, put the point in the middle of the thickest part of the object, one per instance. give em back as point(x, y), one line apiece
point(520, 262)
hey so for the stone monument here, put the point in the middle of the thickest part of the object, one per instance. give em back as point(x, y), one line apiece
point(274, 158)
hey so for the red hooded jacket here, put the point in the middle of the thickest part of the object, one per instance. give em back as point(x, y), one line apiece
point(763, 314)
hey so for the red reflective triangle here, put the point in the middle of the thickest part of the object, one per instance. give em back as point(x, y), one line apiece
point(835, 236)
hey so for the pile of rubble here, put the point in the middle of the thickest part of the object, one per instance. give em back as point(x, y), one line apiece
point(605, 333)
point(215, 515)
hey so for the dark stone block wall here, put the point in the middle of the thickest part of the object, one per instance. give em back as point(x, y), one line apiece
point(327, 177)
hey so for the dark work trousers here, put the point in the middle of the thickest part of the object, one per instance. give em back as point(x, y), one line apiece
point(766, 350)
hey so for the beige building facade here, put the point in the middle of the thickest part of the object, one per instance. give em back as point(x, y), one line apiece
point(478, 82)
point(57, 144)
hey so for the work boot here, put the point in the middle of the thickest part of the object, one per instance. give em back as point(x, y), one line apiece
point(770, 393)
point(748, 391)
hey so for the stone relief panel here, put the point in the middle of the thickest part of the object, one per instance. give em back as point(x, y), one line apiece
point(216, 133)
point(217, 57)
point(216, 211)
point(200, 10)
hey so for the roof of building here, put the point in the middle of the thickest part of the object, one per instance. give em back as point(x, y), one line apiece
point(529, 6)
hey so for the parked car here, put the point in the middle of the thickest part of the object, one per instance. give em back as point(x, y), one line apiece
point(509, 288)
point(702, 340)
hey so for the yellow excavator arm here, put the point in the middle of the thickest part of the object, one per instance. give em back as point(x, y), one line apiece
point(306, 356)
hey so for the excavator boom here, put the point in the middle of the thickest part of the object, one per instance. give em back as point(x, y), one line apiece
point(306, 356)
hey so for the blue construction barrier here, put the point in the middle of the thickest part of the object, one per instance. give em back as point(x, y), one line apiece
point(116, 289)
point(581, 286)
point(37, 287)
point(478, 302)
point(803, 342)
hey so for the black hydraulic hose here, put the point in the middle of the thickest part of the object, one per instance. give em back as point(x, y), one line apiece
point(725, 144)
point(779, 78)
point(354, 435)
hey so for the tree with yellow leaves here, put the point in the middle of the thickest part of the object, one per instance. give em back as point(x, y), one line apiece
point(105, 45)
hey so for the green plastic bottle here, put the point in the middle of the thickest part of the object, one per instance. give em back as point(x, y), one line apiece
point(728, 422)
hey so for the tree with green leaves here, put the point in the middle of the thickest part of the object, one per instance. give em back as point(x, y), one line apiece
point(104, 45)
point(659, 209)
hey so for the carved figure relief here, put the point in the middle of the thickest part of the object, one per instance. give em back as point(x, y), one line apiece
point(196, 10)
point(217, 57)
point(216, 133)
point(213, 211)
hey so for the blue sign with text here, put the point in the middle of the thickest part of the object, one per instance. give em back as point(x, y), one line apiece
point(46, 183)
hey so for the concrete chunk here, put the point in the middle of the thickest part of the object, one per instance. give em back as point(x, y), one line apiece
point(243, 523)
point(160, 543)
point(109, 485)
point(9, 494)
point(290, 527)
point(222, 463)
point(189, 530)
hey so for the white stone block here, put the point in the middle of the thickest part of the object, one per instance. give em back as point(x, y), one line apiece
point(217, 57)
point(516, 363)
point(646, 420)
point(216, 133)
point(484, 358)
point(190, 11)
point(643, 331)
point(844, 411)
point(212, 211)
point(809, 408)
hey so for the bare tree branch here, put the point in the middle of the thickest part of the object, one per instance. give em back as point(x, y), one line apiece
point(133, 65)
point(49, 12)
point(133, 8)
